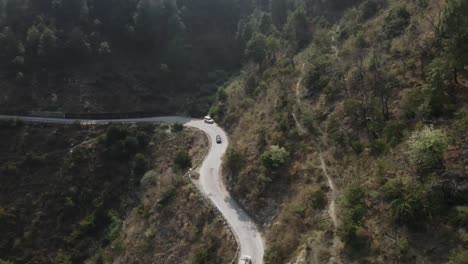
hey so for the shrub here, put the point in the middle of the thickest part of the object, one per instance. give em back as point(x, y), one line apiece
point(177, 127)
point(11, 123)
point(86, 225)
point(114, 133)
point(140, 164)
point(234, 160)
point(9, 168)
point(317, 77)
point(62, 258)
point(393, 132)
point(114, 226)
point(201, 255)
point(403, 246)
point(438, 83)
point(148, 179)
point(393, 189)
point(360, 40)
point(275, 157)
point(319, 200)
point(368, 9)
point(396, 22)
point(142, 138)
point(426, 148)
point(33, 160)
point(411, 207)
point(182, 161)
point(411, 103)
point(377, 147)
point(353, 212)
point(460, 216)
point(459, 256)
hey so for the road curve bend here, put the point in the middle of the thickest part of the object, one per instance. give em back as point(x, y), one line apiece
point(210, 182)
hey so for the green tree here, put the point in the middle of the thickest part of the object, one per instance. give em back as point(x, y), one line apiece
point(32, 40)
point(77, 44)
point(296, 28)
point(279, 12)
point(8, 43)
point(437, 89)
point(256, 48)
point(104, 48)
point(275, 157)
point(182, 161)
point(396, 22)
point(140, 164)
point(427, 147)
point(47, 42)
point(234, 160)
point(454, 31)
point(368, 9)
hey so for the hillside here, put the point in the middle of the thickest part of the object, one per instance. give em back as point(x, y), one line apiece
point(347, 123)
point(104, 194)
point(376, 100)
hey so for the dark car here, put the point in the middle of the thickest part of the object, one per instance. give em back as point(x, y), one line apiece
point(218, 139)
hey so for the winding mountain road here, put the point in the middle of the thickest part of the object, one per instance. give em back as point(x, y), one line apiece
point(210, 183)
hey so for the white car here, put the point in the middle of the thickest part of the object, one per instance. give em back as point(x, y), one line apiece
point(208, 120)
point(246, 259)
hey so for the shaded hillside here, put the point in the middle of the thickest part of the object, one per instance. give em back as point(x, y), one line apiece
point(90, 55)
point(78, 194)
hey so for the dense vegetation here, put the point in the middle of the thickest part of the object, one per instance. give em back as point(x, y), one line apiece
point(154, 47)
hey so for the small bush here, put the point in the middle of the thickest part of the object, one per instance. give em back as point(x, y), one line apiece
point(460, 216)
point(459, 256)
point(377, 147)
point(142, 138)
point(353, 212)
point(9, 168)
point(411, 207)
point(393, 132)
point(403, 246)
point(426, 148)
point(234, 160)
point(11, 123)
point(182, 161)
point(148, 179)
point(62, 258)
point(114, 226)
point(369, 9)
point(201, 255)
point(319, 200)
point(140, 164)
point(85, 226)
point(177, 127)
point(396, 22)
point(275, 157)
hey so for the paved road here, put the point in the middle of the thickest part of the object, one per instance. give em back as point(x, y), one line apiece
point(210, 182)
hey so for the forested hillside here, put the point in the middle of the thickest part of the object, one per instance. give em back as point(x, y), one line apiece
point(349, 130)
point(348, 119)
point(114, 56)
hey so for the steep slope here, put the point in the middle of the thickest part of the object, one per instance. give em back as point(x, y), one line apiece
point(384, 107)
point(107, 206)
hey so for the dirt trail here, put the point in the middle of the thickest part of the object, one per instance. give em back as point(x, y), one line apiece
point(331, 184)
point(298, 86)
point(335, 258)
